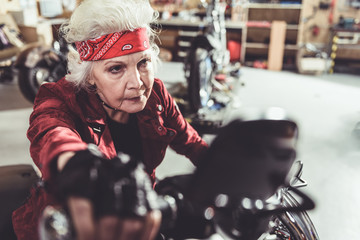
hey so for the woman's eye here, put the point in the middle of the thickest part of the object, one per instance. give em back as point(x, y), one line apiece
point(115, 69)
point(144, 62)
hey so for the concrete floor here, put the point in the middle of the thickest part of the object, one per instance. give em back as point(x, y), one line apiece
point(326, 109)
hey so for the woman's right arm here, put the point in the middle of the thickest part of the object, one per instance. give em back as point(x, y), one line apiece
point(52, 129)
point(53, 137)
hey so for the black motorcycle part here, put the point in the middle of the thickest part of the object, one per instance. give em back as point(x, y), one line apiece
point(190, 221)
point(15, 184)
point(241, 225)
point(249, 219)
point(45, 70)
point(129, 187)
point(298, 223)
point(6, 74)
point(200, 67)
point(256, 155)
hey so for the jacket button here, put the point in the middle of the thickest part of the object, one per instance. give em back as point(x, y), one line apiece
point(159, 108)
point(160, 128)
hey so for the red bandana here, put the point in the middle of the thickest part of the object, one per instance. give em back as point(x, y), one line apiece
point(113, 45)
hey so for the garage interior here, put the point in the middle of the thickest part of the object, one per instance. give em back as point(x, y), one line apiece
point(302, 56)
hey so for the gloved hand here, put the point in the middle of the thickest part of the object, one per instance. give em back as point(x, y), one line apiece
point(81, 175)
point(108, 198)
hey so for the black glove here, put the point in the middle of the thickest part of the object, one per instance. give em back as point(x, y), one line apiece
point(118, 186)
point(81, 174)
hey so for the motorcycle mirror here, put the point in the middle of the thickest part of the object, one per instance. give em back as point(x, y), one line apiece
point(294, 177)
point(246, 159)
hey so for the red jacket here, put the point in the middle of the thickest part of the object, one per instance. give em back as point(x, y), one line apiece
point(66, 120)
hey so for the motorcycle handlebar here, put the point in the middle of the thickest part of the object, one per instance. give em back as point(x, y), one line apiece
point(234, 157)
point(183, 219)
point(55, 223)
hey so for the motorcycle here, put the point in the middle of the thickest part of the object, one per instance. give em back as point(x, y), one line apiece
point(206, 67)
point(39, 65)
point(207, 56)
point(246, 188)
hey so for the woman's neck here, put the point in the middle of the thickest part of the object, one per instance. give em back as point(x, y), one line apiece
point(113, 113)
point(117, 116)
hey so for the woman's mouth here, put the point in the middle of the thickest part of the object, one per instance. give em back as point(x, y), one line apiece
point(134, 99)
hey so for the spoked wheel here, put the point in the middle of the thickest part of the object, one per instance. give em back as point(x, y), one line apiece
point(30, 79)
point(293, 225)
point(298, 224)
point(199, 81)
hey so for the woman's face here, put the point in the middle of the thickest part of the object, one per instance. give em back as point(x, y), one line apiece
point(124, 82)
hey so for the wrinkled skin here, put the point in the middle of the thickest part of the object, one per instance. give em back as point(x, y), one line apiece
point(124, 83)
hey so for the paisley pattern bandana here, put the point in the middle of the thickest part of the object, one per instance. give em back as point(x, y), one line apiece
point(113, 45)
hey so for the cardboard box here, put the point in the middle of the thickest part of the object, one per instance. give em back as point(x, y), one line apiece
point(42, 33)
point(310, 65)
point(51, 8)
point(8, 20)
point(7, 5)
point(27, 16)
point(11, 30)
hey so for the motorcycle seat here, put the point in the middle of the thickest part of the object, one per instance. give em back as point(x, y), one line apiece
point(15, 184)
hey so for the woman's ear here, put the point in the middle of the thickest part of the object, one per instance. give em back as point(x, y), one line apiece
point(91, 81)
point(91, 78)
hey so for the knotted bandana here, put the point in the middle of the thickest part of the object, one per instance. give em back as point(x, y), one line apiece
point(113, 45)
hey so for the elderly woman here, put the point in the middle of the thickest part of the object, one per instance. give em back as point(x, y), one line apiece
point(110, 99)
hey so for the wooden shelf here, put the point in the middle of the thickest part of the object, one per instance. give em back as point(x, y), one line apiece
point(254, 39)
point(256, 45)
point(288, 26)
point(180, 23)
point(275, 6)
point(291, 47)
point(264, 45)
point(292, 27)
point(349, 46)
point(234, 25)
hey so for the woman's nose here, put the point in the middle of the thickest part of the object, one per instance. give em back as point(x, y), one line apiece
point(134, 80)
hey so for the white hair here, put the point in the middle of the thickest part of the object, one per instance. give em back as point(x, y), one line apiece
point(93, 18)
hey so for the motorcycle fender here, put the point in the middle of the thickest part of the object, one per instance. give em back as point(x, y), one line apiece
point(30, 56)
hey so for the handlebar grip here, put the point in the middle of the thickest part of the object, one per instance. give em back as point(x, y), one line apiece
point(182, 219)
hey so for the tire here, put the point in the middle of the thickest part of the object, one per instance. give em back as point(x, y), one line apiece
point(199, 80)
point(30, 79)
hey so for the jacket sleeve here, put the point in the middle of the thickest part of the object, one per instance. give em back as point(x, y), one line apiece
point(52, 129)
point(186, 141)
